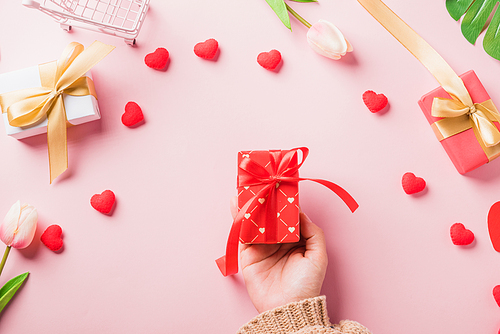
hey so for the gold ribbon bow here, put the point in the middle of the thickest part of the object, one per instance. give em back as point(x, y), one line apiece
point(459, 113)
point(458, 117)
point(27, 107)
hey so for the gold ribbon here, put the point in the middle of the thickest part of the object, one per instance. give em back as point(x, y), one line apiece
point(459, 113)
point(26, 107)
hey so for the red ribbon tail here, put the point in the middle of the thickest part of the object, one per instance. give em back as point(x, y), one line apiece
point(341, 192)
point(228, 264)
point(221, 263)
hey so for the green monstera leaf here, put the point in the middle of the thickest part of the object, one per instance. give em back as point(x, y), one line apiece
point(477, 13)
point(281, 10)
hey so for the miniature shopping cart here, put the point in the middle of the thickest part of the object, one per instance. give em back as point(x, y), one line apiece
point(121, 18)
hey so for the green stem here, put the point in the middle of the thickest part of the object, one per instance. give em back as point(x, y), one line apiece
point(297, 16)
point(5, 255)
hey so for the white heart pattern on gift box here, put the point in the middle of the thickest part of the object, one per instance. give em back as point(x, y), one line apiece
point(286, 200)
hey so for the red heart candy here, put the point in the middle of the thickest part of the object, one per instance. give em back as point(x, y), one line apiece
point(132, 115)
point(461, 236)
point(269, 60)
point(103, 202)
point(207, 49)
point(496, 294)
point(158, 59)
point(375, 102)
point(412, 184)
point(494, 225)
point(52, 237)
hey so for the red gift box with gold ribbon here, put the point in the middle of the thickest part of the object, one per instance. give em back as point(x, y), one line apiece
point(461, 113)
point(458, 135)
point(268, 201)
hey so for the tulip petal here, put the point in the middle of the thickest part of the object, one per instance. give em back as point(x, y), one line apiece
point(27, 228)
point(26, 210)
point(9, 226)
point(327, 40)
point(349, 46)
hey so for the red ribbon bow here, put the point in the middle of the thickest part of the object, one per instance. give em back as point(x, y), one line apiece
point(284, 169)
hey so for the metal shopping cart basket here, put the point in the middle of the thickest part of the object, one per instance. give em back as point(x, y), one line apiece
point(121, 18)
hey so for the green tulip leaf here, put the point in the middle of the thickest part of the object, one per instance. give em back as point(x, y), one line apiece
point(475, 19)
point(10, 288)
point(280, 9)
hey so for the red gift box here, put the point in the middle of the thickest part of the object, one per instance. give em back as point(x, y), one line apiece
point(268, 201)
point(254, 227)
point(460, 112)
point(464, 148)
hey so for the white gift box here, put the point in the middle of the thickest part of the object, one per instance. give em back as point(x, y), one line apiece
point(79, 109)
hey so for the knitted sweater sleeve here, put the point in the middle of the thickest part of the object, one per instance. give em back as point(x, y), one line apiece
point(308, 316)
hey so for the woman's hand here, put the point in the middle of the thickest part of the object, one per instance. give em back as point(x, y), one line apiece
point(278, 274)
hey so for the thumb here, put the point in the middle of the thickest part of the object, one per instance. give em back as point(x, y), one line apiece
point(315, 241)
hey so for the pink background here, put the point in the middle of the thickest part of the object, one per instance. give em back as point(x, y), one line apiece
point(149, 267)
